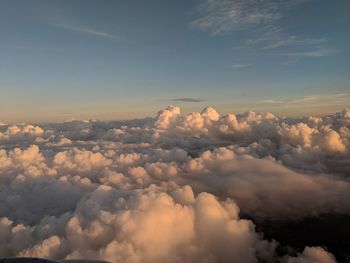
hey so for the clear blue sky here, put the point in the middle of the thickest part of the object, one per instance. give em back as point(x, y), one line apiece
point(62, 59)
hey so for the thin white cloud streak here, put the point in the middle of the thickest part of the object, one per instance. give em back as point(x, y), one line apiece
point(331, 98)
point(238, 66)
point(92, 32)
point(320, 52)
point(275, 37)
point(281, 41)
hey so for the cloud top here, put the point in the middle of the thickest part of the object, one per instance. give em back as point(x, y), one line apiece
point(174, 188)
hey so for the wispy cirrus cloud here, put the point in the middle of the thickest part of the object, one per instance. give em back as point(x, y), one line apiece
point(320, 52)
point(331, 98)
point(225, 16)
point(275, 37)
point(91, 32)
point(262, 22)
point(238, 66)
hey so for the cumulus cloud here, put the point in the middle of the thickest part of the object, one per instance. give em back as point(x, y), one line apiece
point(146, 226)
point(313, 254)
point(174, 188)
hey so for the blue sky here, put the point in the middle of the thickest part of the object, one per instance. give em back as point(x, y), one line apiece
point(109, 59)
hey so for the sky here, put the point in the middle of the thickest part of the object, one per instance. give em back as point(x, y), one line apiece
point(111, 60)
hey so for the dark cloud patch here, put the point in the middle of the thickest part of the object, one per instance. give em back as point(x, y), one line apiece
point(188, 100)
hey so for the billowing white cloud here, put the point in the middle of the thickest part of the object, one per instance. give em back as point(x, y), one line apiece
point(146, 226)
point(176, 188)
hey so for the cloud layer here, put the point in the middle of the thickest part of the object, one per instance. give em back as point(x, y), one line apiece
point(174, 188)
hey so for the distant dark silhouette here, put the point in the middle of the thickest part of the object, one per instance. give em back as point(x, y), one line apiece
point(82, 261)
point(41, 260)
point(25, 260)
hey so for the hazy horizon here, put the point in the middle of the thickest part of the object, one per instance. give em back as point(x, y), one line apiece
point(184, 110)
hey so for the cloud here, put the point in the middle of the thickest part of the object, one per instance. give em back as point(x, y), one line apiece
point(225, 16)
point(188, 99)
point(275, 37)
point(320, 52)
point(92, 32)
point(173, 187)
point(261, 22)
point(238, 66)
point(313, 254)
point(276, 41)
point(147, 226)
point(335, 98)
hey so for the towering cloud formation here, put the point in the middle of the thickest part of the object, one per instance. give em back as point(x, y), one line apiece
point(175, 188)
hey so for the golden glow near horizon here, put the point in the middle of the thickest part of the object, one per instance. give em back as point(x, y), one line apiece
point(316, 105)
